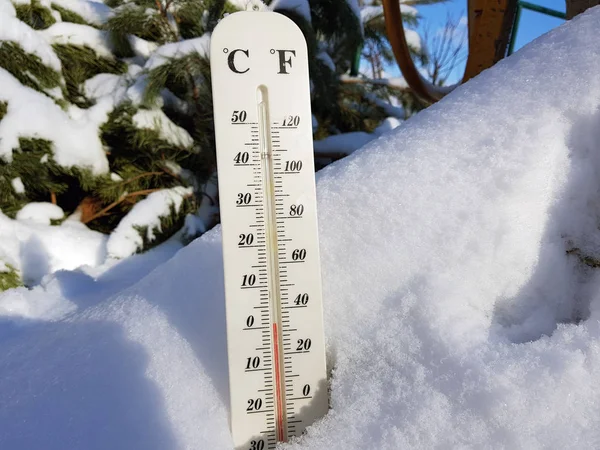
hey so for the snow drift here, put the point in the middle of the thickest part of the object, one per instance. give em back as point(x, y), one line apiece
point(457, 307)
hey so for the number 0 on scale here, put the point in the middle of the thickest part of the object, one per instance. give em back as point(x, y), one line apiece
point(263, 128)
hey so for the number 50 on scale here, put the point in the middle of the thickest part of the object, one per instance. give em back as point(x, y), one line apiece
point(263, 128)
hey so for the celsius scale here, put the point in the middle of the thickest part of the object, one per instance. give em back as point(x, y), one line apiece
point(263, 129)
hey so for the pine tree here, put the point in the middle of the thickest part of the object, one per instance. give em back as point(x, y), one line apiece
point(152, 139)
point(377, 54)
point(126, 111)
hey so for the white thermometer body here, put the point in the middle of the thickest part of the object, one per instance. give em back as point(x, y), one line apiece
point(263, 128)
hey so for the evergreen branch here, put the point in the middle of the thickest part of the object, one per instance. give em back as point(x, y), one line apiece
point(9, 279)
point(69, 16)
point(137, 177)
point(35, 15)
point(387, 82)
point(28, 68)
point(81, 63)
point(136, 20)
point(123, 197)
point(585, 259)
point(159, 7)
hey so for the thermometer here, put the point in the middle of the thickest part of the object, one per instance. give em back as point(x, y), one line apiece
point(263, 129)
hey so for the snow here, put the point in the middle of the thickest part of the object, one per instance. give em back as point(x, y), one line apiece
point(352, 141)
point(371, 12)
point(368, 13)
point(36, 249)
point(248, 5)
point(75, 141)
point(30, 40)
point(18, 185)
point(44, 3)
point(38, 304)
point(413, 39)
point(92, 12)
point(132, 87)
point(83, 35)
point(7, 9)
point(387, 125)
point(106, 84)
point(396, 82)
point(40, 212)
point(394, 108)
point(156, 119)
point(300, 7)
point(141, 47)
point(353, 4)
point(454, 316)
point(343, 143)
point(125, 240)
point(164, 53)
point(324, 56)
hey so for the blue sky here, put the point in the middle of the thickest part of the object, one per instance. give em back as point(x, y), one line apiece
point(532, 24)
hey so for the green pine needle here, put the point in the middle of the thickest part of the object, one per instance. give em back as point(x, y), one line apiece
point(10, 279)
point(69, 16)
point(169, 224)
point(35, 15)
point(139, 21)
point(28, 68)
point(80, 64)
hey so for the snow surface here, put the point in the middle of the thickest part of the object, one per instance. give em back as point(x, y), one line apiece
point(156, 119)
point(455, 318)
point(40, 212)
point(371, 12)
point(36, 250)
point(300, 7)
point(30, 40)
point(75, 139)
point(22, 304)
point(125, 240)
point(7, 9)
point(413, 39)
point(249, 5)
point(106, 85)
point(76, 34)
point(353, 4)
point(93, 12)
point(18, 185)
point(141, 47)
point(344, 143)
point(324, 56)
point(352, 141)
point(166, 52)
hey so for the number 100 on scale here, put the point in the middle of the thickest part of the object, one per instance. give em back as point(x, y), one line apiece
point(263, 128)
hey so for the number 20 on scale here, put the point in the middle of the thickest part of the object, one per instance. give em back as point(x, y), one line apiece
point(263, 128)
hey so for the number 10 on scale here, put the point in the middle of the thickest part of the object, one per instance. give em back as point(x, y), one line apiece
point(263, 128)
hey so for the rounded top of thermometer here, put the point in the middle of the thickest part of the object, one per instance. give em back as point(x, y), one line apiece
point(257, 26)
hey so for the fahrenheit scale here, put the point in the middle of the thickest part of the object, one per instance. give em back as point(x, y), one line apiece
point(263, 127)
